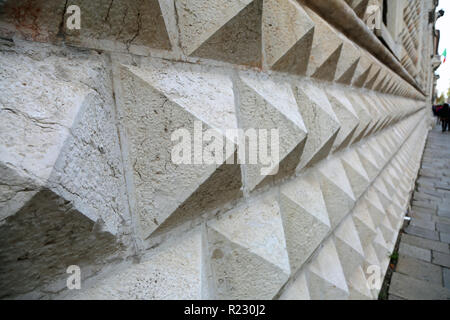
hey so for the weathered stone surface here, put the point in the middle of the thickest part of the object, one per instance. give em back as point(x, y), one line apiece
point(305, 219)
point(32, 20)
point(430, 225)
point(88, 142)
point(441, 259)
point(265, 104)
point(298, 290)
point(321, 123)
point(446, 275)
point(123, 24)
point(419, 269)
point(337, 192)
point(348, 246)
point(67, 136)
point(113, 25)
point(409, 288)
point(357, 285)
point(424, 225)
point(36, 252)
point(443, 227)
point(259, 229)
point(326, 278)
point(421, 232)
point(425, 243)
point(214, 30)
point(161, 186)
point(157, 276)
point(444, 237)
point(288, 34)
point(234, 271)
point(415, 252)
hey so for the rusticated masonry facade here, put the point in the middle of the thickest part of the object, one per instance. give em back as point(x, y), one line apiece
point(86, 133)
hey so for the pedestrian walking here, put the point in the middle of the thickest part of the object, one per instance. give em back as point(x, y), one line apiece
point(444, 115)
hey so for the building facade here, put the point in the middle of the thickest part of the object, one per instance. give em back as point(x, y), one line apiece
point(93, 93)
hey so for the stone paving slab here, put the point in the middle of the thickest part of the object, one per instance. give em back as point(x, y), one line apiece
point(430, 225)
point(421, 232)
point(423, 210)
point(421, 216)
point(441, 219)
point(423, 268)
point(426, 243)
point(419, 269)
point(443, 227)
point(407, 287)
point(415, 252)
point(426, 196)
point(444, 213)
point(441, 259)
point(445, 237)
point(425, 204)
point(446, 275)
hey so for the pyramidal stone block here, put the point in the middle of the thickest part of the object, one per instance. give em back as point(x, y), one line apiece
point(380, 113)
point(348, 246)
point(395, 216)
point(356, 173)
point(348, 63)
point(264, 104)
point(362, 71)
point(25, 142)
point(336, 189)
point(199, 21)
point(382, 250)
point(364, 224)
point(373, 76)
point(238, 273)
point(17, 190)
point(321, 123)
point(214, 30)
point(358, 286)
point(32, 20)
point(157, 276)
point(325, 51)
point(388, 232)
point(119, 24)
point(376, 152)
point(374, 115)
point(62, 236)
point(368, 161)
point(288, 34)
point(298, 290)
point(375, 206)
point(305, 219)
point(326, 279)
point(383, 193)
point(347, 117)
point(371, 258)
point(257, 227)
point(153, 106)
point(364, 116)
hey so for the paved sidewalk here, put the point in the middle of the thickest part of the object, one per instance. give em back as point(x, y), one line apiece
point(423, 268)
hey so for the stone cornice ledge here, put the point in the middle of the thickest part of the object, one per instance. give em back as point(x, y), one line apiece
point(342, 16)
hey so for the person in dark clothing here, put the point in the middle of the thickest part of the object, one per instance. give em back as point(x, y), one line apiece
point(444, 114)
point(435, 113)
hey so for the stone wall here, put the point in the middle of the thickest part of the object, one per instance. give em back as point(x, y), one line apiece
point(87, 179)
